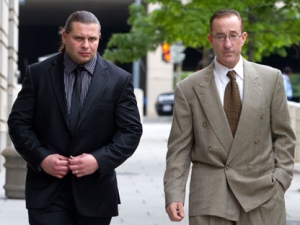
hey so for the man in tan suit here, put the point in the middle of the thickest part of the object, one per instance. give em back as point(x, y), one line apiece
point(237, 178)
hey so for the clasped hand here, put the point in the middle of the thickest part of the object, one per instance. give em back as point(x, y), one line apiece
point(175, 211)
point(59, 166)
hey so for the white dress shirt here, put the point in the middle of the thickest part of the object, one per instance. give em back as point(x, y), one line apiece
point(221, 79)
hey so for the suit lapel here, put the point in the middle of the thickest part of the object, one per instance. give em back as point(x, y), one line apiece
point(251, 101)
point(56, 73)
point(57, 78)
point(98, 81)
point(209, 98)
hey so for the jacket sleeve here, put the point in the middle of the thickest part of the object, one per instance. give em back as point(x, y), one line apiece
point(20, 126)
point(128, 130)
point(282, 135)
point(180, 144)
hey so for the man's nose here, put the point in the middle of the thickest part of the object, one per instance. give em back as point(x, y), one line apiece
point(85, 43)
point(227, 41)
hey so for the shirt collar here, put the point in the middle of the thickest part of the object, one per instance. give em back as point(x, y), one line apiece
point(70, 65)
point(221, 70)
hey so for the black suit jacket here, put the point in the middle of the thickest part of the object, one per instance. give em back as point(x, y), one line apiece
point(109, 128)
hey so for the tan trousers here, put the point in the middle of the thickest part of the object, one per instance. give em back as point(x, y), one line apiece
point(271, 212)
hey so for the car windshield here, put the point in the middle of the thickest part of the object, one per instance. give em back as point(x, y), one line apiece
point(166, 97)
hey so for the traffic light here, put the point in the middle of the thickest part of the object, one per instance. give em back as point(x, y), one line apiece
point(166, 54)
point(177, 53)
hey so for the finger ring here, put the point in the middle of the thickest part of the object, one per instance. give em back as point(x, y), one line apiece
point(76, 171)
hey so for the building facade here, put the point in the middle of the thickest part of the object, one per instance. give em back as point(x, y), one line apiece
point(9, 40)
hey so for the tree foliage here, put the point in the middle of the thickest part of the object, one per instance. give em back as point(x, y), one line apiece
point(271, 25)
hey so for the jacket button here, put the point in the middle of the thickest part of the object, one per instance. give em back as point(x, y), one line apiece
point(204, 124)
point(210, 149)
point(249, 167)
point(227, 167)
point(256, 141)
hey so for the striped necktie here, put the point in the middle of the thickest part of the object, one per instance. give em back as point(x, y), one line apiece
point(75, 102)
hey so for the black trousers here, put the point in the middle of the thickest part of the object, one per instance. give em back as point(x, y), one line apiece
point(63, 211)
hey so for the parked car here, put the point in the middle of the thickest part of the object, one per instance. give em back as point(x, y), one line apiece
point(164, 104)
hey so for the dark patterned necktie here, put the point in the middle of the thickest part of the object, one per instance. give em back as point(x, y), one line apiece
point(232, 102)
point(75, 102)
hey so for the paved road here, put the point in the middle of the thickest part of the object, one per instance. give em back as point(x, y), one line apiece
point(141, 186)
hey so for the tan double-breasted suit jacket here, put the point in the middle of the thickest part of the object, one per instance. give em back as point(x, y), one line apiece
point(229, 173)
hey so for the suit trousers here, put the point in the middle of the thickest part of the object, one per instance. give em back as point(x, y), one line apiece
point(271, 212)
point(63, 211)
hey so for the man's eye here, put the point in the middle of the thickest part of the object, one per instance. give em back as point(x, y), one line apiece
point(220, 37)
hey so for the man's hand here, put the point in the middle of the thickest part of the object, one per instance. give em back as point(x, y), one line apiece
point(83, 164)
point(56, 165)
point(175, 211)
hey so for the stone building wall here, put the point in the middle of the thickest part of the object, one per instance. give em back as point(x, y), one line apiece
point(9, 39)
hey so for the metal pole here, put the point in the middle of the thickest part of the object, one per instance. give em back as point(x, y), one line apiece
point(136, 65)
point(178, 72)
point(136, 73)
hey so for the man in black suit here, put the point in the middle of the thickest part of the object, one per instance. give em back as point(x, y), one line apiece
point(72, 158)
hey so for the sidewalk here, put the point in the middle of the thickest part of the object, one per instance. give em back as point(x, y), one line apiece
point(141, 186)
